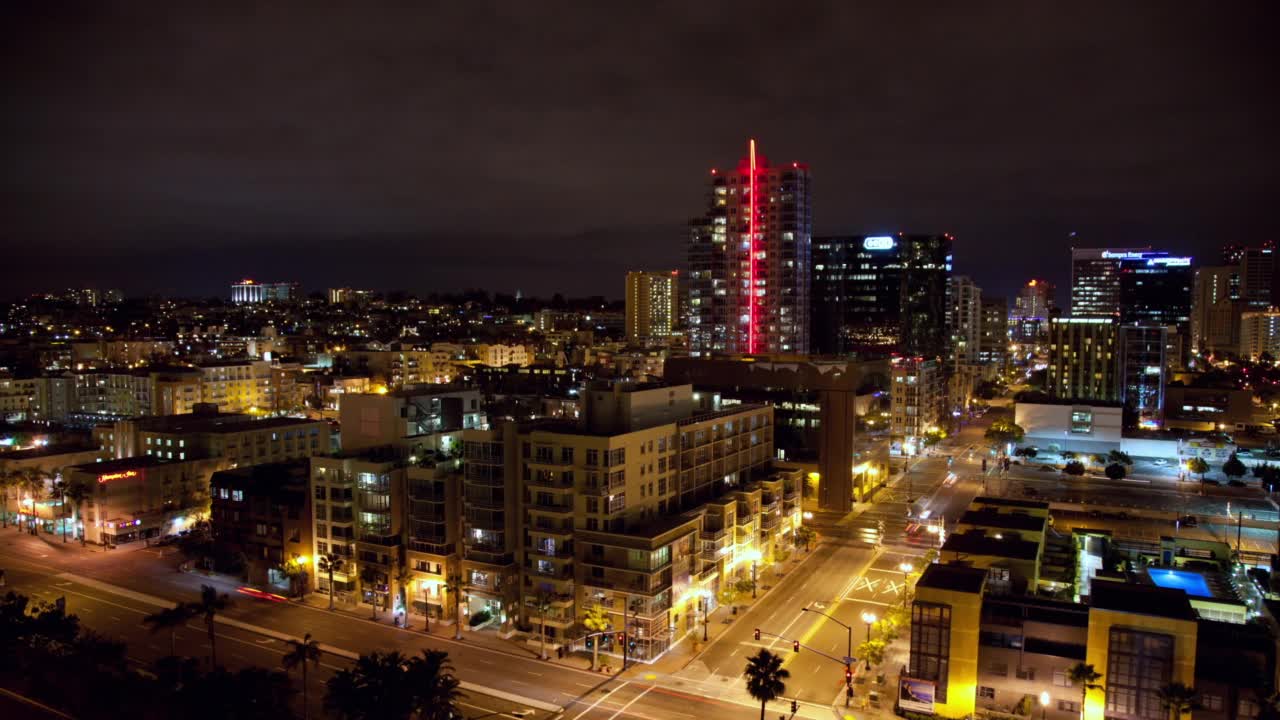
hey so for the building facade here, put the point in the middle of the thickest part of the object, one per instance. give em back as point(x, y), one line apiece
point(964, 318)
point(993, 339)
point(1144, 371)
point(1260, 333)
point(1156, 290)
point(250, 291)
point(1083, 359)
point(651, 306)
point(856, 290)
point(749, 260)
point(1095, 280)
point(926, 275)
point(917, 401)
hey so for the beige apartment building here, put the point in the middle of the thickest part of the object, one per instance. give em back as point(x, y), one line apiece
point(237, 439)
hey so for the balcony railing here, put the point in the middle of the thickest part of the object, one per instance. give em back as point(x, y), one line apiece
point(379, 539)
point(555, 481)
point(546, 507)
point(431, 548)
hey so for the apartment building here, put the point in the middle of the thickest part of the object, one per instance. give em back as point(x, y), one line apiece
point(242, 386)
point(105, 394)
point(498, 355)
point(264, 513)
point(410, 416)
point(1084, 359)
point(235, 438)
point(916, 402)
point(398, 367)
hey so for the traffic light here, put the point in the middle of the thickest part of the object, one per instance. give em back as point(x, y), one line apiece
point(757, 633)
point(622, 638)
point(848, 674)
point(795, 645)
point(632, 642)
point(795, 707)
point(591, 642)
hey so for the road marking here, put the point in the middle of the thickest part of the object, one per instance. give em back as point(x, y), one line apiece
point(633, 702)
point(489, 712)
point(735, 651)
point(601, 699)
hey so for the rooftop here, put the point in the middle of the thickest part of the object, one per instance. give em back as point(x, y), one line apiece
point(953, 577)
point(1003, 521)
point(1142, 600)
point(47, 451)
point(1010, 502)
point(977, 543)
point(219, 423)
point(138, 462)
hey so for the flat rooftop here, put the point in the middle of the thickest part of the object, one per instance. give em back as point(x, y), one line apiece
point(1142, 600)
point(1010, 502)
point(220, 423)
point(980, 544)
point(1003, 520)
point(959, 578)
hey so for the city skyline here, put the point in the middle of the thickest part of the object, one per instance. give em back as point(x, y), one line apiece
point(475, 159)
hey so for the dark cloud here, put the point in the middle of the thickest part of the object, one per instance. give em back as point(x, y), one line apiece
point(549, 146)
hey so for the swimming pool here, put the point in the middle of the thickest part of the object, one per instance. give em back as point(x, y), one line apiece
point(1188, 582)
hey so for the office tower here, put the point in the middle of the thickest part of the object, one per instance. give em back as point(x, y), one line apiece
point(993, 343)
point(1032, 310)
point(1083, 362)
point(856, 291)
point(1156, 290)
point(1260, 333)
point(1144, 371)
point(916, 401)
point(1215, 309)
point(1095, 280)
point(651, 306)
point(926, 272)
point(1258, 276)
point(964, 318)
point(749, 260)
point(250, 291)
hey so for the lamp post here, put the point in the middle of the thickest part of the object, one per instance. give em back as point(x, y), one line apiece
point(1044, 704)
point(906, 569)
point(706, 603)
point(869, 618)
point(848, 652)
point(754, 556)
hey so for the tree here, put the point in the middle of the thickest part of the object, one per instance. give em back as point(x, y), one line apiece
point(8, 481)
point(369, 577)
point(331, 563)
point(1075, 467)
point(1116, 471)
point(454, 587)
point(1233, 468)
point(33, 484)
point(300, 653)
point(595, 620)
point(1099, 460)
point(170, 619)
point(437, 693)
point(1116, 456)
point(77, 492)
point(1067, 455)
point(1198, 465)
point(210, 604)
point(404, 578)
point(1083, 676)
point(1004, 431)
point(542, 603)
point(1178, 699)
point(803, 536)
point(58, 491)
point(375, 688)
point(765, 677)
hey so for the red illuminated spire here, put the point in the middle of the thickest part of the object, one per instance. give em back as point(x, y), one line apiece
point(751, 248)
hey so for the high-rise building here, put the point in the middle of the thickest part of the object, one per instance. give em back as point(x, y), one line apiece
point(749, 260)
point(964, 318)
point(1258, 276)
point(1095, 280)
point(926, 272)
point(1215, 309)
point(1156, 290)
point(1260, 333)
point(1083, 362)
point(250, 291)
point(1032, 310)
point(993, 343)
point(1144, 371)
point(916, 402)
point(651, 302)
point(857, 293)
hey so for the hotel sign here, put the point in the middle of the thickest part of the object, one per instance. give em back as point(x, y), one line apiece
point(118, 476)
point(878, 242)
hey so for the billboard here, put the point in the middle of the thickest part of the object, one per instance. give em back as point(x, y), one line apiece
point(915, 695)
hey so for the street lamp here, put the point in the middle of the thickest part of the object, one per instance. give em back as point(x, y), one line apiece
point(706, 604)
point(1044, 704)
point(848, 652)
point(906, 569)
point(869, 618)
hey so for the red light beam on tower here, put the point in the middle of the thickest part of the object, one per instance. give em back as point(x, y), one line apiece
point(751, 248)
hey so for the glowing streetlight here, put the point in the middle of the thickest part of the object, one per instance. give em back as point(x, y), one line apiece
point(869, 618)
point(754, 556)
point(1044, 703)
point(906, 569)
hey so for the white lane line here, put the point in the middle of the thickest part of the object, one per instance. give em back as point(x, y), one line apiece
point(735, 651)
point(633, 702)
point(488, 712)
point(601, 699)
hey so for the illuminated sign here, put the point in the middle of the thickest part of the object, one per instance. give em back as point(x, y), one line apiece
point(1170, 261)
point(118, 476)
point(879, 242)
point(1112, 255)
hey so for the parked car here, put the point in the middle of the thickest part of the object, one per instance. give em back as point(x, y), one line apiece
point(1190, 521)
point(1244, 452)
point(1160, 461)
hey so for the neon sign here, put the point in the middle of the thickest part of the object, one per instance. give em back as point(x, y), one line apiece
point(118, 476)
point(1170, 261)
point(878, 242)
point(1129, 255)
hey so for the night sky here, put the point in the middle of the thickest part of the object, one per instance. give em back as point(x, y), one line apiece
point(552, 146)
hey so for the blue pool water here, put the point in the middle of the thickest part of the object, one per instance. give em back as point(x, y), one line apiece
point(1188, 582)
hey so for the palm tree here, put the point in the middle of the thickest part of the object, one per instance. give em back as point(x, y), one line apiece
point(58, 491)
point(77, 493)
point(454, 588)
point(331, 563)
point(300, 653)
point(170, 619)
point(542, 603)
point(8, 481)
point(436, 689)
point(375, 688)
point(1086, 678)
point(33, 484)
point(595, 620)
point(404, 576)
point(209, 605)
point(369, 583)
point(764, 678)
point(1178, 699)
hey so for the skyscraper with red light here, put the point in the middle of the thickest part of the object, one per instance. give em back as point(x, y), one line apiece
point(749, 260)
